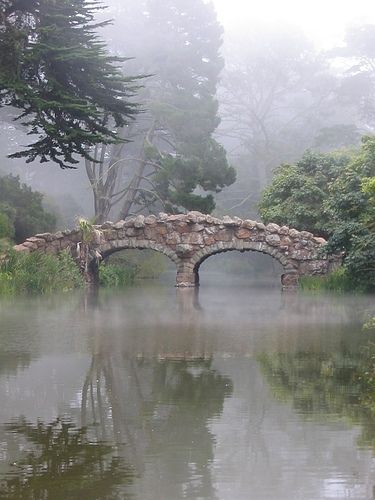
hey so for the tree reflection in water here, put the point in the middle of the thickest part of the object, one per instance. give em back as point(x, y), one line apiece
point(158, 408)
point(340, 384)
point(62, 463)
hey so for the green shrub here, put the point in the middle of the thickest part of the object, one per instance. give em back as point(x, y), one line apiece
point(38, 273)
point(333, 195)
point(116, 275)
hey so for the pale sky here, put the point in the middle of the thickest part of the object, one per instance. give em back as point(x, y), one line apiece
point(323, 21)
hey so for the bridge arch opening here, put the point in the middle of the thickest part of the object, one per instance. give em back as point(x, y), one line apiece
point(231, 266)
point(270, 256)
point(144, 262)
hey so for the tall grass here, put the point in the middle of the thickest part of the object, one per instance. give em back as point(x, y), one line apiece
point(338, 280)
point(38, 273)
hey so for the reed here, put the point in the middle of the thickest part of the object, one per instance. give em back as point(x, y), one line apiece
point(38, 273)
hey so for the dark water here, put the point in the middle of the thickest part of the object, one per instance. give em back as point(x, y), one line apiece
point(154, 393)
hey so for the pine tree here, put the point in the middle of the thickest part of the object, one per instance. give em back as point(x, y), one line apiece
point(55, 69)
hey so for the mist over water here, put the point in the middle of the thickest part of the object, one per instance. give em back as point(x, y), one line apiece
point(233, 391)
point(229, 392)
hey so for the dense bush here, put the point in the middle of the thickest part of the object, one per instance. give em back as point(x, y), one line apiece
point(297, 193)
point(22, 209)
point(331, 195)
point(38, 272)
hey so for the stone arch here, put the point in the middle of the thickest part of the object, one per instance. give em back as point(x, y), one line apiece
point(288, 278)
point(111, 247)
point(108, 248)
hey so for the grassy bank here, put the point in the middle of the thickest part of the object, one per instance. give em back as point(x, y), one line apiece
point(38, 273)
point(42, 273)
point(339, 281)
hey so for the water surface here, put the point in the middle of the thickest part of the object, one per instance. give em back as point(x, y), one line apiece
point(154, 393)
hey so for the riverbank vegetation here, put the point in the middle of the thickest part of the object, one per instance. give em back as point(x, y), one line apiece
point(22, 272)
point(22, 214)
point(331, 195)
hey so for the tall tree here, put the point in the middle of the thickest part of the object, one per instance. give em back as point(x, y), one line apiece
point(55, 69)
point(276, 95)
point(173, 158)
point(357, 57)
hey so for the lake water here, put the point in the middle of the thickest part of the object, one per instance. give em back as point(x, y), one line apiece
point(153, 393)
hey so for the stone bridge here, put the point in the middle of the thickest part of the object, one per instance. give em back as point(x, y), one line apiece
point(188, 240)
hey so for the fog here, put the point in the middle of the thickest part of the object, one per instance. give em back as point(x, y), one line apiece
point(323, 22)
point(227, 391)
point(272, 91)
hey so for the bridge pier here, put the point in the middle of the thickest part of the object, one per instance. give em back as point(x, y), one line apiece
point(187, 278)
point(289, 281)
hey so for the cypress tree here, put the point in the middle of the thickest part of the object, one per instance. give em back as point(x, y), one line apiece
point(56, 70)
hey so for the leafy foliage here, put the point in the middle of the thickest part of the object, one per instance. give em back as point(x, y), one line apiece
point(178, 178)
point(298, 192)
point(185, 107)
point(87, 230)
point(55, 69)
point(21, 210)
point(351, 212)
point(331, 194)
point(6, 226)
